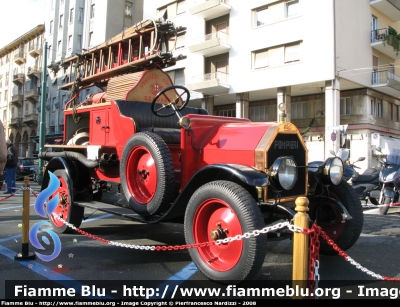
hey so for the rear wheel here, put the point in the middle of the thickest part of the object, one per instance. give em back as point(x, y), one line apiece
point(344, 235)
point(65, 209)
point(218, 210)
point(147, 173)
point(385, 205)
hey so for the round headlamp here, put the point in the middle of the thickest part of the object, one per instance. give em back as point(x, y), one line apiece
point(332, 171)
point(184, 122)
point(283, 173)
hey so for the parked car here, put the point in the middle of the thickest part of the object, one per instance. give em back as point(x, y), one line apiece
point(27, 167)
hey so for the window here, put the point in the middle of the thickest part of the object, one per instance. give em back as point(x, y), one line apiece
point(59, 47)
point(292, 53)
point(69, 42)
point(61, 21)
point(128, 9)
point(181, 7)
point(345, 106)
point(260, 59)
point(51, 26)
point(299, 110)
point(71, 15)
point(90, 38)
point(292, 8)
point(390, 113)
point(261, 17)
point(53, 105)
point(92, 11)
point(178, 43)
point(49, 52)
point(395, 113)
point(376, 107)
point(275, 12)
point(79, 42)
point(80, 17)
point(261, 114)
point(227, 113)
point(26, 108)
point(170, 11)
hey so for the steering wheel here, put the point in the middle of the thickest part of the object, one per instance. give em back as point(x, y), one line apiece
point(171, 103)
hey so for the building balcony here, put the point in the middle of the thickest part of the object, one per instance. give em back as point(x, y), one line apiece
point(210, 84)
point(19, 57)
point(34, 71)
point(385, 43)
point(15, 122)
point(18, 78)
point(35, 50)
point(386, 82)
point(31, 119)
point(17, 100)
point(391, 8)
point(211, 44)
point(32, 95)
point(210, 9)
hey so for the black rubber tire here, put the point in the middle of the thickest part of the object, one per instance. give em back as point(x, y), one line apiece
point(384, 209)
point(165, 179)
point(243, 205)
point(75, 212)
point(351, 230)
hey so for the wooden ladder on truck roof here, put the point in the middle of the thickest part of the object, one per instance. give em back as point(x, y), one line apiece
point(140, 47)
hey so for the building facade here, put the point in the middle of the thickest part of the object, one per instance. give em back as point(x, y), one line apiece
point(330, 67)
point(20, 83)
point(73, 26)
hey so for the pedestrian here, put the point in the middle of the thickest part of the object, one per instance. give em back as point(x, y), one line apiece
point(3, 153)
point(11, 168)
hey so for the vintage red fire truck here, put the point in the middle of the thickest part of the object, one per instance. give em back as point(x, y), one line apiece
point(220, 176)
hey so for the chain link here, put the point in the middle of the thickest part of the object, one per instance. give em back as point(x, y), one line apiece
point(315, 232)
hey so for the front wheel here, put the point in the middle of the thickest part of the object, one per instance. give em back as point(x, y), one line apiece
point(218, 210)
point(343, 234)
point(383, 210)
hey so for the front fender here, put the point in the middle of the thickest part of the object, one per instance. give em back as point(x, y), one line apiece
point(243, 175)
point(388, 192)
point(315, 201)
point(53, 165)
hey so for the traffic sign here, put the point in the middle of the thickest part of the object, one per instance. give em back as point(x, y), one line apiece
point(333, 136)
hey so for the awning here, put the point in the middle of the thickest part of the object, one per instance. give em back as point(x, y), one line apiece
point(387, 143)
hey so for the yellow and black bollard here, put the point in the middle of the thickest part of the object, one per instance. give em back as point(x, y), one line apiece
point(300, 248)
point(25, 255)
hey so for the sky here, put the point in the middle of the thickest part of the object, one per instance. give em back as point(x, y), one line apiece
point(18, 17)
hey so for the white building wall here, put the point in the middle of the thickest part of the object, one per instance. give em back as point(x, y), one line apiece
point(353, 41)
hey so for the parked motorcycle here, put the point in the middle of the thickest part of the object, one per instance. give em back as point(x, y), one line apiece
point(389, 182)
point(363, 183)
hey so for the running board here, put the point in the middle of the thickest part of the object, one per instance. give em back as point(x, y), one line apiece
point(117, 210)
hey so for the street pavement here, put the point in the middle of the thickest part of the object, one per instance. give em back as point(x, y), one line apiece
point(83, 258)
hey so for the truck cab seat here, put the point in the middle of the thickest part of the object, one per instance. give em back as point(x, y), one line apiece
point(145, 120)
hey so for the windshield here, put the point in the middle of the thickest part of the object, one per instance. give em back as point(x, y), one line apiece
point(343, 154)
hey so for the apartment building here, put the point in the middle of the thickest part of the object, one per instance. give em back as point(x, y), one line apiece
point(20, 75)
point(328, 66)
point(73, 26)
